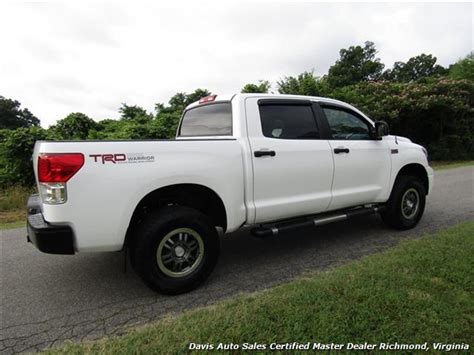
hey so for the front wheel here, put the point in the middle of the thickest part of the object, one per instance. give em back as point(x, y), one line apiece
point(406, 204)
point(175, 249)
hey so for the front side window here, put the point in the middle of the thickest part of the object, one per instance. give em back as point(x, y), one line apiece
point(209, 120)
point(288, 121)
point(346, 125)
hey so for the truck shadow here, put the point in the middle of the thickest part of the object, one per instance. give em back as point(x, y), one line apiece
point(262, 262)
point(246, 263)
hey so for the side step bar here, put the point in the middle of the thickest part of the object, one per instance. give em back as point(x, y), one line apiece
point(268, 230)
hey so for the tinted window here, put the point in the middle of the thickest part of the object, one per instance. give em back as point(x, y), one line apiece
point(346, 125)
point(209, 120)
point(288, 122)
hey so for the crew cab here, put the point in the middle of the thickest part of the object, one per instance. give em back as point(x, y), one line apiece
point(271, 162)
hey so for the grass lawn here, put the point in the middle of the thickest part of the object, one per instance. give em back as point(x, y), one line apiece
point(13, 206)
point(11, 225)
point(420, 291)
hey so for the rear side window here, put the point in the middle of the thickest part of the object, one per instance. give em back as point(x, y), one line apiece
point(288, 121)
point(208, 120)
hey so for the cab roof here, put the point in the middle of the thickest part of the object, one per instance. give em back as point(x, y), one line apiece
point(231, 97)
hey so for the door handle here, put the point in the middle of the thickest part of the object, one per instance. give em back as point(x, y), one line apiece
point(341, 150)
point(261, 153)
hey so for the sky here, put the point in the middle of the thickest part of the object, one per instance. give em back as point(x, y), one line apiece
point(59, 58)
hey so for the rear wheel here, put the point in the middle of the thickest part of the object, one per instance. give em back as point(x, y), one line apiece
point(406, 204)
point(175, 249)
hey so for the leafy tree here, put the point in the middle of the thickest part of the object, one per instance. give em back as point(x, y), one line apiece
point(196, 96)
point(464, 68)
point(108, 129)
point(436, 112)
point(179, 101)
point(165, 125)
point(74, 126)
point(134, 112)
point(134, 130)
point(304, 84)
point(166, 121)
point(16, 147)
point(356, 64)
point(417, 67)
point(262, 87)
point(11, 116)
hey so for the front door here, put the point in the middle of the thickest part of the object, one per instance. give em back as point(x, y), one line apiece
point(362, 164)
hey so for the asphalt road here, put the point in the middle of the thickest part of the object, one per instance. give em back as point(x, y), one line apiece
point(46, 299)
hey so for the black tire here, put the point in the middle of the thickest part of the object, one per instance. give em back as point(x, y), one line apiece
point(168, 223)
point(395, 215)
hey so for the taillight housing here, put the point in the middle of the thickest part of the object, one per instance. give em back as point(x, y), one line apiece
point(206, 99)
point(59, 167)
point(54, 170)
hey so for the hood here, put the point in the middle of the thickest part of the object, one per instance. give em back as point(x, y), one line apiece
point(401, 139)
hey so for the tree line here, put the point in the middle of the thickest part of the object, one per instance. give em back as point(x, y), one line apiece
point(419, 99)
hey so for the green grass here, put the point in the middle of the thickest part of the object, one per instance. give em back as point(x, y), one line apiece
point(17, 224)
point(14, 198)
point(420, 291)
point(442, 165)
point(13, 206)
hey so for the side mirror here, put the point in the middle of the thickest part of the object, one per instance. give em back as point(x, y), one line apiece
point(381, 129)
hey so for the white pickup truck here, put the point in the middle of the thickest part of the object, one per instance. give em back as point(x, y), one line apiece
point(273, 162)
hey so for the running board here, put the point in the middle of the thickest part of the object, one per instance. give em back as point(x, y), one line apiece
point(269, 230)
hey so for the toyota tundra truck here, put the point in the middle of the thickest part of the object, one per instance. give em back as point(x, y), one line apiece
point(269, 162)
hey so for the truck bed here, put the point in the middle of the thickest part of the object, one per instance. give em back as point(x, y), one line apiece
point(116, 175)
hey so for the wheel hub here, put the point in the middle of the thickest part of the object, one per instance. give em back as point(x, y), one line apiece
point(410, 203)
point(180, 252)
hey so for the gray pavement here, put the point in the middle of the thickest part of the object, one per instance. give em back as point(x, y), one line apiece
point(46, 299)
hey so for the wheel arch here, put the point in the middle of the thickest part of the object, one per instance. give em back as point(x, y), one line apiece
point(414, 169)
point(199, 197)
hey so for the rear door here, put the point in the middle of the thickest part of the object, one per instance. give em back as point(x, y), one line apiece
point(292, 165)
point(362, 164)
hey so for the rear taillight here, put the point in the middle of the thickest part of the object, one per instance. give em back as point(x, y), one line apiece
point(54, 170)
point(59, 167)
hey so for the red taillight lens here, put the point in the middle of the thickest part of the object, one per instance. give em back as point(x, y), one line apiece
point(58, 167)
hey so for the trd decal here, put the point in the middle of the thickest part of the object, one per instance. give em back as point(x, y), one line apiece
point(123, 158)
point(114, 158)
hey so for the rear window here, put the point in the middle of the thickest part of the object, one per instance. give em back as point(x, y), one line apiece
point(288, 121)
point(209, 120)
